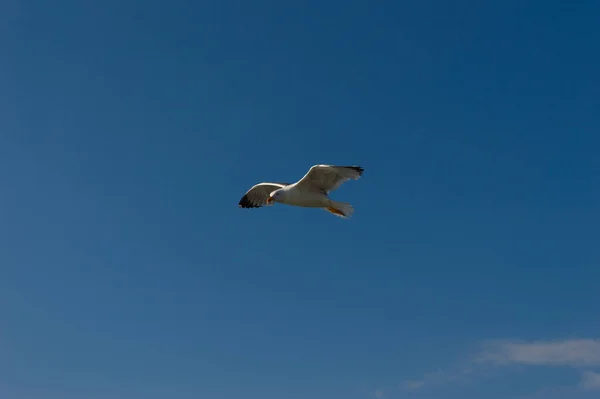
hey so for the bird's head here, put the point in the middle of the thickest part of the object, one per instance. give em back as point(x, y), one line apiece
point(275, 196)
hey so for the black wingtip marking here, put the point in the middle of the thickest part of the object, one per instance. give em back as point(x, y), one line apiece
point(246, 203)
point(357, 168)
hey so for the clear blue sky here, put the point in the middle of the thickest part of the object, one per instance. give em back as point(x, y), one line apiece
point(129, 130)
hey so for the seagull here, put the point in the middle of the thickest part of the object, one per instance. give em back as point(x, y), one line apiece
point(310, 192)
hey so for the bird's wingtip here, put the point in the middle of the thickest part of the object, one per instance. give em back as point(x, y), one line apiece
point(359, 169)
point(246, 203)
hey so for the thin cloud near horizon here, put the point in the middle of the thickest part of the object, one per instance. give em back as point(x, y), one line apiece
point(570, 352)
point(581, 354)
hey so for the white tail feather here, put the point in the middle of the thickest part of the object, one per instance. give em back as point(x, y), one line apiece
point(341, 209)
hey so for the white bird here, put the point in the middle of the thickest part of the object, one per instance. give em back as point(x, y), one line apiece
point(310, 192)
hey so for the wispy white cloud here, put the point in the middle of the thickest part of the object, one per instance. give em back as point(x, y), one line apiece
point(415, 384)
point(574, 353)
point(439, 377)
point(560, 392)
point(590, 380)
point(379, 394)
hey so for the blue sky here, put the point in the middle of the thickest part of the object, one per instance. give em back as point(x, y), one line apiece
point(129, 130)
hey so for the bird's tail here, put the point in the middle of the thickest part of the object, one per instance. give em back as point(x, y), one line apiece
point(341, 209)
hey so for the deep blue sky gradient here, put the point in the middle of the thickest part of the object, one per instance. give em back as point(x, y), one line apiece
point(130, 129)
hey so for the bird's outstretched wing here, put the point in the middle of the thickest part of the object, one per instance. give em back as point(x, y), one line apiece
point(326, 178)
point(258, 194)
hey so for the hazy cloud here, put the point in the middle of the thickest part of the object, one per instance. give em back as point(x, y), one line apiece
point(590, 381)
point(415, 384)
point(440, 377)
point(575, 353)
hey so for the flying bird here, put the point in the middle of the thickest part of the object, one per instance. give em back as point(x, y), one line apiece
point(310, 192)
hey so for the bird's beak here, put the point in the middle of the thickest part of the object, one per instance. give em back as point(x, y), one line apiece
point(269, 200)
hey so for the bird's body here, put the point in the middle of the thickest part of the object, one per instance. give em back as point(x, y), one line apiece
point(309, 192)
point(307, 199)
